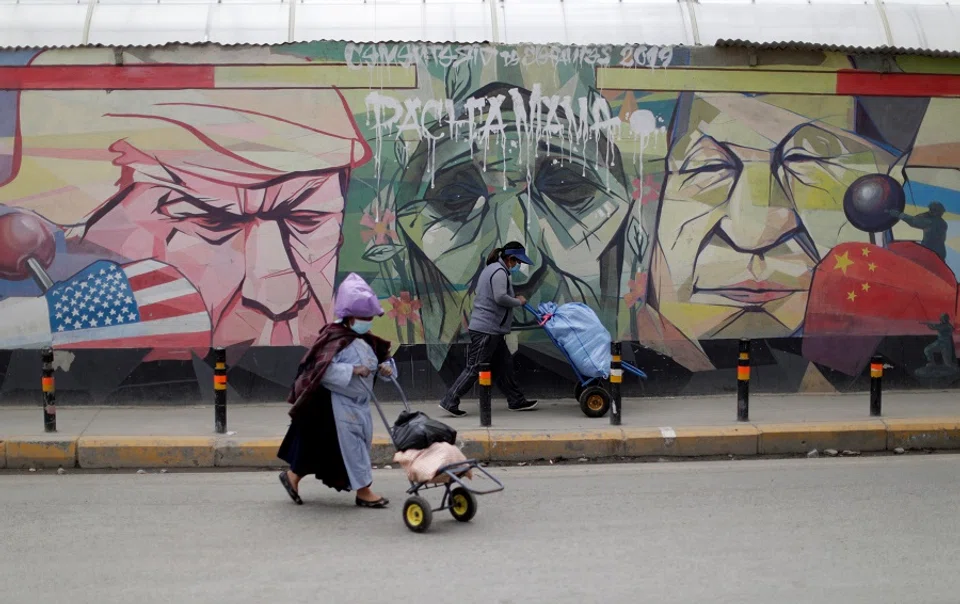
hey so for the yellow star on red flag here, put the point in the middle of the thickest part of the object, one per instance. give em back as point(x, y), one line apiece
point(843, 262)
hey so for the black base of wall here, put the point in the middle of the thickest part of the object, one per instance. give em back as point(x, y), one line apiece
point(122, 377)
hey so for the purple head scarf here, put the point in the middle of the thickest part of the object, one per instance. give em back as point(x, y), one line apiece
point(355, 298)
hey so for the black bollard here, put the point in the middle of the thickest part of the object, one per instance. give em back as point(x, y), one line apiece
point(616, 378)
point(743, 382)
point(485, 380)
point(220, 390)
point(49, 392)
point(876, 386)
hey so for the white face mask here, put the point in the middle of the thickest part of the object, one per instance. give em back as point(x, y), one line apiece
point(361, 327)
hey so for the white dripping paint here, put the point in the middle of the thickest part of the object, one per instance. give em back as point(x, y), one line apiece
point(536, 120)
point(643, 127)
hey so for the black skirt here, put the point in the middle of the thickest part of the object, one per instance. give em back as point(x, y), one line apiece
point(311, 445)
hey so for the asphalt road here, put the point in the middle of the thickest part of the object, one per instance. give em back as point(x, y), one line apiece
point(794, 531)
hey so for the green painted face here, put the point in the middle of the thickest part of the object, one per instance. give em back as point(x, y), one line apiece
point(566, 202)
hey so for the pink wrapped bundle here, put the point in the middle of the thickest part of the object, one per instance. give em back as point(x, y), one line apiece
point(422, 465)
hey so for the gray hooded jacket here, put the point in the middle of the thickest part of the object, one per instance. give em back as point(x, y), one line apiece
point(494, 303)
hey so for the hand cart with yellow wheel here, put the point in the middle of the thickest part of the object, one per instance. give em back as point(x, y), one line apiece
point(458, 497)
point(590, 392)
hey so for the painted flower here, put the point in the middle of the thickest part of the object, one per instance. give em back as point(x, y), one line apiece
point(404, 309)
point(638, 290)
point(646, 191)
point(378, 230)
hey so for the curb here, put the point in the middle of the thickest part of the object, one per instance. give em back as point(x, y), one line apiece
point(39, 452)
point(744, 440)
point(146, 452)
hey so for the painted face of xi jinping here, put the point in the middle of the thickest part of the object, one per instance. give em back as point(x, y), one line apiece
point(752, 201)
point(564, 200)
point(260, 247)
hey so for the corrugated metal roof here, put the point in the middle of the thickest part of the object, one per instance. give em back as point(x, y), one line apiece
point(858, 50)
point(921, 26)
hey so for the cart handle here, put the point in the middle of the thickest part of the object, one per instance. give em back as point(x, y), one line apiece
point(633, 369)
point(383, 416)
point(403, 396)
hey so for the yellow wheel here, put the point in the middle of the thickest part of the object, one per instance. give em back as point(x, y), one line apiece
point(417, 514)
point(463, 505)
point(594, 401)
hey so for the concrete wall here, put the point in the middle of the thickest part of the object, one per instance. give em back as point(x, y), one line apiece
point(173, 198)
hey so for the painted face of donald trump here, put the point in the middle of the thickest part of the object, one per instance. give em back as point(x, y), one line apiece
point(242, 191)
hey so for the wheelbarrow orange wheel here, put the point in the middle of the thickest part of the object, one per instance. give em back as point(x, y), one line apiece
point(594, 401)
point(463, 505)
point(417, 514)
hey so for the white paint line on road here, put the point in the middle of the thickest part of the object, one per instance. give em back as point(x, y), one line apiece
point(669, 434)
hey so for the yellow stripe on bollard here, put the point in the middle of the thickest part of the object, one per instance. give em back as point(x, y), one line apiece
point(616, 376)
point(876, 370)
point(743, 373)
point(485, 378)
point(47, 384)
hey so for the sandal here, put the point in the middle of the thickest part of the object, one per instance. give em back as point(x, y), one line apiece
point(378, 504)
point(285, 481)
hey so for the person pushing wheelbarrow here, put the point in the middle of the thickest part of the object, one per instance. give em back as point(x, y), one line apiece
point(490, 322)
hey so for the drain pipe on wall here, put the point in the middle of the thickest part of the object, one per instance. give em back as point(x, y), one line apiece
point(494, 21)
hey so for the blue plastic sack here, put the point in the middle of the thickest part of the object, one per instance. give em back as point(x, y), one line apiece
point(578, 330)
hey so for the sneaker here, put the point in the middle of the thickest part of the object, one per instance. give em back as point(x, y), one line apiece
point(524, 406)
point(454, 412)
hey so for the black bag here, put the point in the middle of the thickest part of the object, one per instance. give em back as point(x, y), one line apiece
point(415, 430)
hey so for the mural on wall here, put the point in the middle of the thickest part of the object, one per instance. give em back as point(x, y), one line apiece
point(199, 197)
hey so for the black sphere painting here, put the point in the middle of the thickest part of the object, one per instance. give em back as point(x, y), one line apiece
point(869, 199)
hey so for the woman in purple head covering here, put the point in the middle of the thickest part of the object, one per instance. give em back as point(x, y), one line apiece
point(331, 431)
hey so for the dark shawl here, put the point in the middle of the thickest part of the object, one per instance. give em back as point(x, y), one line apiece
point(333, 338)
point(311, 445)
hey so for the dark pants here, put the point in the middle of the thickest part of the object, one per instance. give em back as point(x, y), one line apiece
point(486, 348)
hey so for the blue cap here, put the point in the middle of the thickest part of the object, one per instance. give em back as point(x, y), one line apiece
point(519, 254)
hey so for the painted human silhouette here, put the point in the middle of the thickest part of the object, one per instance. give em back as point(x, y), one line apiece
point(932, 224)
point(943, 343)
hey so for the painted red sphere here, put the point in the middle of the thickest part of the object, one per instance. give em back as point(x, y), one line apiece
point(24, 236)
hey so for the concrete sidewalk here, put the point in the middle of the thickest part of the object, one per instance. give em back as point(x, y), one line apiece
point(146, 436)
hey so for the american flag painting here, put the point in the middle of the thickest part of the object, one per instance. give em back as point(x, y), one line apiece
point(145, 304)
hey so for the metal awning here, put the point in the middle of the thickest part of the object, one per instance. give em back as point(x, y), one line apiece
point(928, 26)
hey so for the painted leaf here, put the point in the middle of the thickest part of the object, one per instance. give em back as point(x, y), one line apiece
point(594, 97)
point(400, 150)
point(636, 239)
point(382, 253)
point(458, 82)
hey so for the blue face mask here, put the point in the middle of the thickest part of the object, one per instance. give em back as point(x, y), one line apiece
point(515, 269)
point(361, 327)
